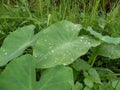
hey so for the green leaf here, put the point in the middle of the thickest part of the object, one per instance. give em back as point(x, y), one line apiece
point(94, 75)
point(16, 43)
point(116, 84)
point(88, 82)
point(86, 88)
point(109, 50)
point(104, 71)
point(78, 86)
point(20, 75)
point(81, 65)
point(60, 44)
point(106, 39)
point(57, 78)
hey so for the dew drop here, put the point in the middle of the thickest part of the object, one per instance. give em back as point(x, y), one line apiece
point(72, 29)
point(45, 40)
point(55, 62)
point(64, 64)
point(52, 51)
point(44, 65)
point(6, 53)
point(72, 59)
point(70, 53)
point(3, 50)
point(88, 43)
point(35, 56)
point(50, 47)
point(81, 37)
point(49, 43)
point(64, 54)
point(45, 57)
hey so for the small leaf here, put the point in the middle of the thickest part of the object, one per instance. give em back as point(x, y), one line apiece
point(87, 88)
point(88, 82)
point(81, 65)
point(94, 75)
point(16, 43)
point(60, 44)
point(78, 86)
point(106, 39)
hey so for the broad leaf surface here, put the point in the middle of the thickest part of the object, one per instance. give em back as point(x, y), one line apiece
point(109, 50)
point(16, 43)
point(20, 75)
point(60, 44)
point(106, 39)
point(58, 78)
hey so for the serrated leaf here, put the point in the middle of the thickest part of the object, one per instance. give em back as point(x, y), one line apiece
point(60, 44)
point(106, 39)
point(16, 43)
point(20, 75)
point(109, 50)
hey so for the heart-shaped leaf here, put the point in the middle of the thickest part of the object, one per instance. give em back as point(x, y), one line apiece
point(60, 44)
point(20, 75)
point(56, 78)
point(16, 43)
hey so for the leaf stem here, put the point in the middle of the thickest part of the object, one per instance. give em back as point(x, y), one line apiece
point(109, 75)
point(93, 56)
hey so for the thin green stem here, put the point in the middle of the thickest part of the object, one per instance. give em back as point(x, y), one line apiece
point(93, 56)
point(111, 75)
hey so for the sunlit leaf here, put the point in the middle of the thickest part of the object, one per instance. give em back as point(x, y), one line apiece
point(60, 44)
point(16, 43)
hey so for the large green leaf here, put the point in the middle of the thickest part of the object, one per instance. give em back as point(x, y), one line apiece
point(20, 75)
point(16, 43)
point(109, 50)
point(58, 78)
point(60, 44)
point(106, 39)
